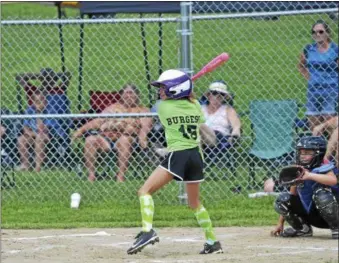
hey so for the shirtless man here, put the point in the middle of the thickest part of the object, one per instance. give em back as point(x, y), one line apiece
point(116, 133)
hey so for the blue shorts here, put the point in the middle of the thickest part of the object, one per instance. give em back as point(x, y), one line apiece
point(322, 100)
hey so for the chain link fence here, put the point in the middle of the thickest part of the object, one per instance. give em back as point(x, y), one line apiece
point(81, 68)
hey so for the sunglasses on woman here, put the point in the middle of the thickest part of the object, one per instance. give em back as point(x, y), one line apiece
point(215, 93)
point(319, 31)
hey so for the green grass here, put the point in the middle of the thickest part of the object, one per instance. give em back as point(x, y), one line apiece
point(231, 212)
point(264, 55)
point(42, 201)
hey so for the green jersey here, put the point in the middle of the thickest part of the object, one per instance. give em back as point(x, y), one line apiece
point(181, 120)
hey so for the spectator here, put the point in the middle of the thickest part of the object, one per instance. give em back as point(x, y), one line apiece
point(319, 66)
point(220, 117)
point(51, 103)
point(10, 129)
point(57, 100)
point(157, 134)
point(117, 134)
point(2, 131)
point(327, 126)
point(332, 147)
point(35, 133)
point(331, 126)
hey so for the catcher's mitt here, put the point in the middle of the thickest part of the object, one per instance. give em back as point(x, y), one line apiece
point(291, 175)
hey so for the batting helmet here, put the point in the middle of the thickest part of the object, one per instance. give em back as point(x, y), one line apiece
point(177, 83)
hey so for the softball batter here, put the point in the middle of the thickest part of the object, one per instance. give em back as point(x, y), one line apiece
point(182, 117)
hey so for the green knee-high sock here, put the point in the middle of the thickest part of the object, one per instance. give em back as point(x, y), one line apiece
point(147, 211)
point(205, 222)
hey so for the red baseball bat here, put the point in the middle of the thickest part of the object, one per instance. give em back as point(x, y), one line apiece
point(212, 65)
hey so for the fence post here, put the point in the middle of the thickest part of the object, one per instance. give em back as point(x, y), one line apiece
point(186, 62)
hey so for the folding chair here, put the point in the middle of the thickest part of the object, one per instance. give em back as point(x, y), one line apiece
point(99, 100)
point(58, 149)
point(273, 130)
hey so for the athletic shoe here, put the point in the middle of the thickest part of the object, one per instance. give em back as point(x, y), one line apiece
point(335, 233)
point(291, 232)
point(142, 240)
point(212, 249)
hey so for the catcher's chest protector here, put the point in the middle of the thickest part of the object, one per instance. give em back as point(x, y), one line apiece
point(307, 188)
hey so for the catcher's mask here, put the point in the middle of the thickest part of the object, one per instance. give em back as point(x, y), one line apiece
point(315, 143)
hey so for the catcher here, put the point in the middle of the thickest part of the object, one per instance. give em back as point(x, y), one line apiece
point(314, 192)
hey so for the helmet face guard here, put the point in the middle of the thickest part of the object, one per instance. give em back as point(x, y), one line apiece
point(174, 88)
point(307, 163)
point(315, 143)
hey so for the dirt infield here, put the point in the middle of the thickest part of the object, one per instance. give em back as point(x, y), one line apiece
point(179, 245)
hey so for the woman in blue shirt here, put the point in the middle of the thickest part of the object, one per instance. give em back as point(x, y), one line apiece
point(319, 66)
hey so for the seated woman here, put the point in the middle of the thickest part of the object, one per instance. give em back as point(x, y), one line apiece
point(221, 118)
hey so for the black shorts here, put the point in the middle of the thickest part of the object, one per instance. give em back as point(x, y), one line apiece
point(185, 165)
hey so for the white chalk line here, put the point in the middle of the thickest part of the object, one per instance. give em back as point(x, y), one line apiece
point(101, 234)
point(171, 239)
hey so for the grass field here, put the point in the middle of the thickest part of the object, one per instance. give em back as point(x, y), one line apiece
point(42, 201)
point(264, 55)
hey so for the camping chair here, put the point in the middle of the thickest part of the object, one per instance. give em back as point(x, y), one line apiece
point(58, 149)
point(273, 128)
point(99, 100)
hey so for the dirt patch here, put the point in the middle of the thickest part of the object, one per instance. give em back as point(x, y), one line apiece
point(177, 245)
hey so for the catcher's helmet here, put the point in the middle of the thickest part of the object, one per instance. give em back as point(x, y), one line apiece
point(315, 143)
point(177, 83)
